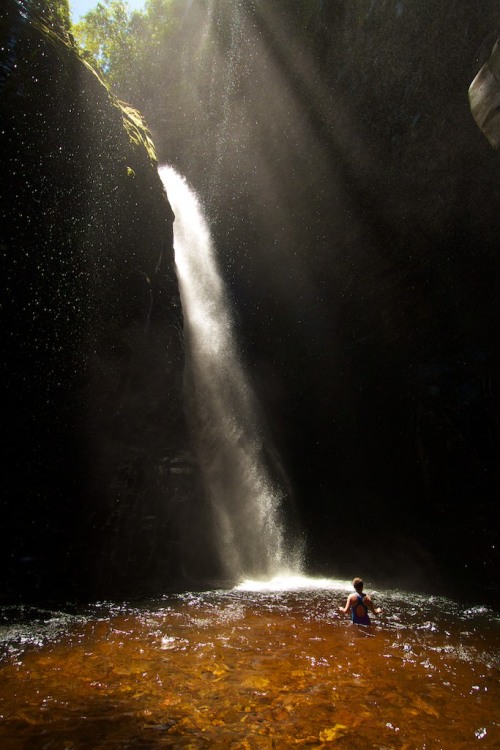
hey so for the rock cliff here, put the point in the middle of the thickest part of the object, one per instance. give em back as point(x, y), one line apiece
point(98, 474)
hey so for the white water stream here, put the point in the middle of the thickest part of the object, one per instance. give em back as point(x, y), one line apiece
point(247, 506)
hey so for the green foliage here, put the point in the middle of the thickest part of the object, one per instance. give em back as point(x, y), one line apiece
point(59, 9)
point(127, 46)
point(106, 35)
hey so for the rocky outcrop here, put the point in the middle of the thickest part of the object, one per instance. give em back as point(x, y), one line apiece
point(98, 474)
point(484, 97)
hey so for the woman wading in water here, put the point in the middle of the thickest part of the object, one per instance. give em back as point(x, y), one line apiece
point(359, 604)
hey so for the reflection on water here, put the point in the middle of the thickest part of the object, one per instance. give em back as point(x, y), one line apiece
point(249, 668)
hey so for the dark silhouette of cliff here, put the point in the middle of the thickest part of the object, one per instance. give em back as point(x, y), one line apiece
point(98, 488)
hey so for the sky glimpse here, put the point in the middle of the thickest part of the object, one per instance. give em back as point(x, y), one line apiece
point(79, 8)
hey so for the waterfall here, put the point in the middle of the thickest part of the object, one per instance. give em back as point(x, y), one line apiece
point(246, 505)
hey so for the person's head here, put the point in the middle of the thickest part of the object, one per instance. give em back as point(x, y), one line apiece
point(358, 584)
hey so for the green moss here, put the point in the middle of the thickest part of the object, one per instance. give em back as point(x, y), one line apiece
point(137, 130)
point(133, 122)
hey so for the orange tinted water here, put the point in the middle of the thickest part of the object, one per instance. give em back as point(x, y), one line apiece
point(247, 669)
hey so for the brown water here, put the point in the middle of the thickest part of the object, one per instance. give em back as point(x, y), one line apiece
point(246, 669)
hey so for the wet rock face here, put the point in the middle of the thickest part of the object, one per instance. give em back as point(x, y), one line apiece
point(484, 97)
point(356, 220)
point(92, 357)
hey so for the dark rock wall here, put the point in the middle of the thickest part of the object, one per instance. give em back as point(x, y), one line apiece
point(97, 487)
point(354, 203)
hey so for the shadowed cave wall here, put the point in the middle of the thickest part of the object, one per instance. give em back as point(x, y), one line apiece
point(354, 203)
point(99, 492)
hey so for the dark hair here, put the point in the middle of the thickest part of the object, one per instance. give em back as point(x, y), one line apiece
point(358, 584)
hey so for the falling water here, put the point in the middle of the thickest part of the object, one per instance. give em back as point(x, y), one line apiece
point(247, 507)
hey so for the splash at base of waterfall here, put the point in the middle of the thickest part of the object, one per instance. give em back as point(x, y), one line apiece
point(294, 582)
point(247, 505)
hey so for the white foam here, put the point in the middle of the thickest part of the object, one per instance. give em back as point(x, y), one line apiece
point(293, 582)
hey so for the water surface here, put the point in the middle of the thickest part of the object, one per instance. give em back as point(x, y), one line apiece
point(251, 668)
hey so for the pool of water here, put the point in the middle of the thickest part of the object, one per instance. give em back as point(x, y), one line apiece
point(251, 668)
